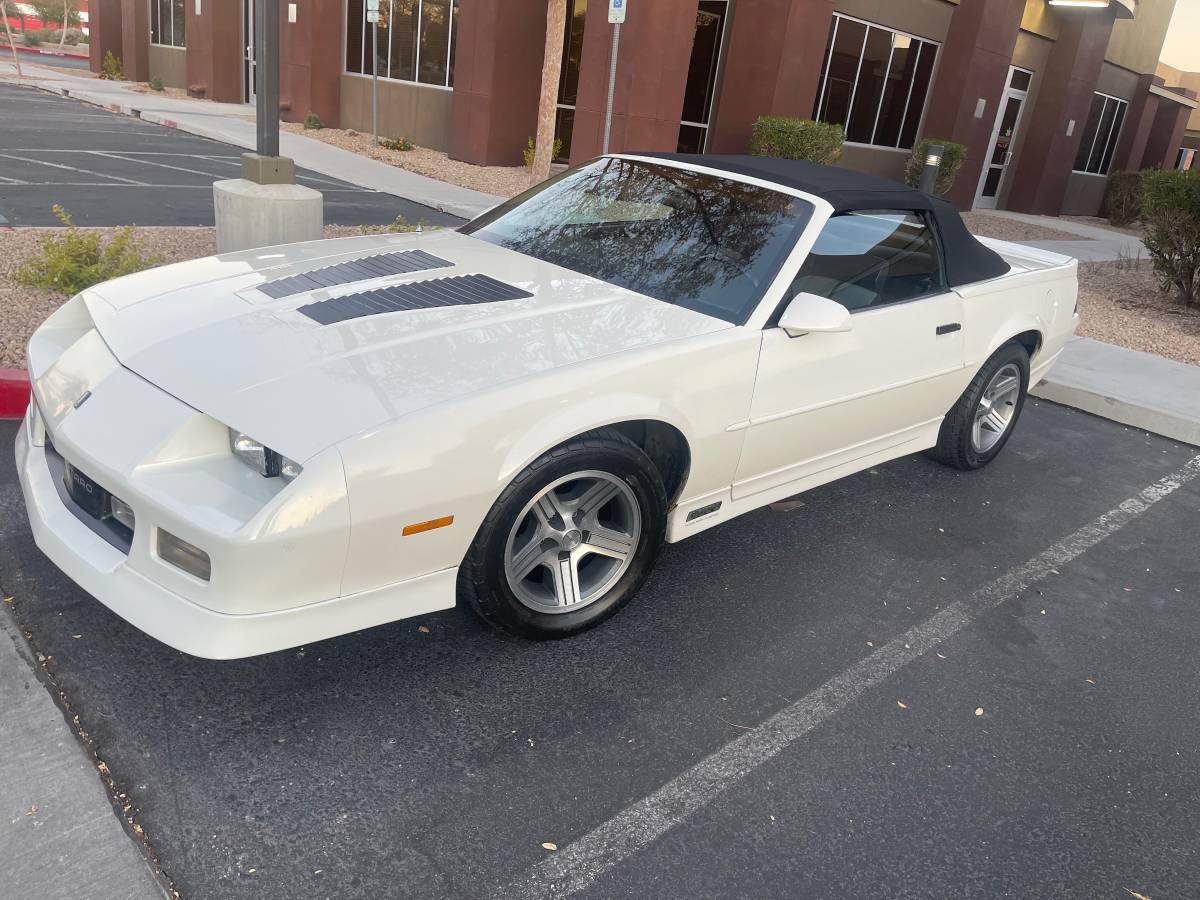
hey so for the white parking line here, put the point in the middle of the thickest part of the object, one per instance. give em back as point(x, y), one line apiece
point(580, 863)
point(42, 162)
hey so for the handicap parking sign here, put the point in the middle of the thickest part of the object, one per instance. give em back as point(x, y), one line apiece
point(616, 11)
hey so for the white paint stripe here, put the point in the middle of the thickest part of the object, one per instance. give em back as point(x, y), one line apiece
point(42, 162)
point(580, 863)
point(149, 162)
point(12, 180)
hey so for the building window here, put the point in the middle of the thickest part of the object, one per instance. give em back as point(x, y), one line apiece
point(415, 41)
point(168, 23)
point(874, 82)
point(1099, 139)
point(568, 81)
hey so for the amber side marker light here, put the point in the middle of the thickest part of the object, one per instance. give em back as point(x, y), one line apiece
point(427, 526)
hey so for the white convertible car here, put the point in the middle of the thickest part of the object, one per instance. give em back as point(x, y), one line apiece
point(259, 450)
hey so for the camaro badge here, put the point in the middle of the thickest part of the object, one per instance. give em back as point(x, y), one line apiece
point(82, 399)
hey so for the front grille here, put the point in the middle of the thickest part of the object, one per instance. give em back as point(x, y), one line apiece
point(379, 266)
point(99, 520)
point(459, 290)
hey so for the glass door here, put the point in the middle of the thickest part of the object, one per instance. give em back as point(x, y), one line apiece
point(701, 87)
point(249, 70)
point(1004, 136)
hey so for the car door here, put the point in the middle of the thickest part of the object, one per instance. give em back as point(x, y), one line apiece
point(824, 401)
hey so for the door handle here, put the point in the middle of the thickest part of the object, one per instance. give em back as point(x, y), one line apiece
point(949, 328)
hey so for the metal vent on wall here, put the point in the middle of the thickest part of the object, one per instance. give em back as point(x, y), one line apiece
point(379, 266)
point(459, 290)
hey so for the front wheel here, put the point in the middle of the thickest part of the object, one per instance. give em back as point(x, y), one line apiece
point(570, 541)
point(981, 422)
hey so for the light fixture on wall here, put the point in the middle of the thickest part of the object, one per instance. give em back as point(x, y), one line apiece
point(1091, 4)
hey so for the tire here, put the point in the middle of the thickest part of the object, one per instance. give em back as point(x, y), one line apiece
point(959, 444)
point(537, 521)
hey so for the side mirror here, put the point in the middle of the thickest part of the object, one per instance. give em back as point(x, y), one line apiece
point(808, 313)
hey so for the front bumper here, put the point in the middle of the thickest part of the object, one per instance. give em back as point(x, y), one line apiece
point(120, 582)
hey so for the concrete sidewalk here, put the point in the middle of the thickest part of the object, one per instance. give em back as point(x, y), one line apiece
point(1139, 389)
point(1095, 244)
point(59, 836)
point(233, 123)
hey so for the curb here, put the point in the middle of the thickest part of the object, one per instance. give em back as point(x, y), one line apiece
point(14, 393)
point(41, 52)
point(1136, 414)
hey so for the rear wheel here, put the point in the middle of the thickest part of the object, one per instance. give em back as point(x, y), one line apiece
point(569, 542)
point(981, 422)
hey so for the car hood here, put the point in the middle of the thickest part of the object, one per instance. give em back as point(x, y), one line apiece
point(204, 332)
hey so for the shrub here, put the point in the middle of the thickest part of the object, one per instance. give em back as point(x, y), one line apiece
point(75, 260)
point(531, 149)
point(31, 39)
point(792, 138)
point(401, 225)
point(156, 84)
point(312, 121)
point(1171, 211)
point(953, 157)
point(1123, 198)
point(111, 68)
point(400, 143)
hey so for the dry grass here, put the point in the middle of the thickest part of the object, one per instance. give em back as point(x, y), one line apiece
point(504, 181)
point(22, 308)
point(1120, 303)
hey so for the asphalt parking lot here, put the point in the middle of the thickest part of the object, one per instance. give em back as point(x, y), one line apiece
point(918, 683)
point(109, 169)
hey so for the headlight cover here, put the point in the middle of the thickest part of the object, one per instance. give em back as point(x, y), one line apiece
point(262, 459)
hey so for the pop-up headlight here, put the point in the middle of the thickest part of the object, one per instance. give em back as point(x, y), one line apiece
point(262, 459)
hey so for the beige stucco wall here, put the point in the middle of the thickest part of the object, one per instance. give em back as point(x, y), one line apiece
point(924, 18)
point(420, 113)
point(1039, 20)
point(1136, 43)
point(169, 64)
point(1085, 194)
point(1178, 78)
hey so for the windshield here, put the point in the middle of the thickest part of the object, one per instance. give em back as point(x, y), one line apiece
point(704, 242)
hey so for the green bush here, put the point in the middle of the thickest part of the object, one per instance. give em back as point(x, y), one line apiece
point(111, 68)
point(31, 39)
point(1123, 198)
point(400, 143)
point(531, 149)
point(792, 138)
point(74, 260)
point(312, 121)
point(156, 84)
point(953, 157)
point(1171, 211)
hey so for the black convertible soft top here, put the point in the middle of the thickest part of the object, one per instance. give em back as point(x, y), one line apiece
point(967, 260)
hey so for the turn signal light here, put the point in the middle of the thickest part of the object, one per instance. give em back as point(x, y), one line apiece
point(427, 526)
point(183, 555)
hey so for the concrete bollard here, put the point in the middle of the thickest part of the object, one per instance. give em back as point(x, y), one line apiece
point(266, 207)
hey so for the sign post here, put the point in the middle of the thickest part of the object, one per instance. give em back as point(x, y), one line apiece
point(616, 15)
point(373, 18)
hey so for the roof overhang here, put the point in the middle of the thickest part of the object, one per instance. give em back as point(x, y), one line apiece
point(1124, 9)
point(1159, 91)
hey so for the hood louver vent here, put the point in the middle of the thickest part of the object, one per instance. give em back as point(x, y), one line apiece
point(379, 266)
point(460, 290)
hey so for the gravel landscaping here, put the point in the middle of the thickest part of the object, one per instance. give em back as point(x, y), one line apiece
point(1004, 229)
point(1120, 302)
point(503, 181)
point(1136, 230)
point(22, 308)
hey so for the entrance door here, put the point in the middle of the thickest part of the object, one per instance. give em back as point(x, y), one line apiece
point(249, 69)
point(1004, 136)
point(702, 75)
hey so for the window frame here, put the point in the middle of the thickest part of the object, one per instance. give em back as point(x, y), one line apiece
point(451, 44)
point(821, 88)
point(1123, 109)
point(930, 223)
point(151, 6)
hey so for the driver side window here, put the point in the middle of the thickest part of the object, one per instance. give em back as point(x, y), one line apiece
point(872, 258)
